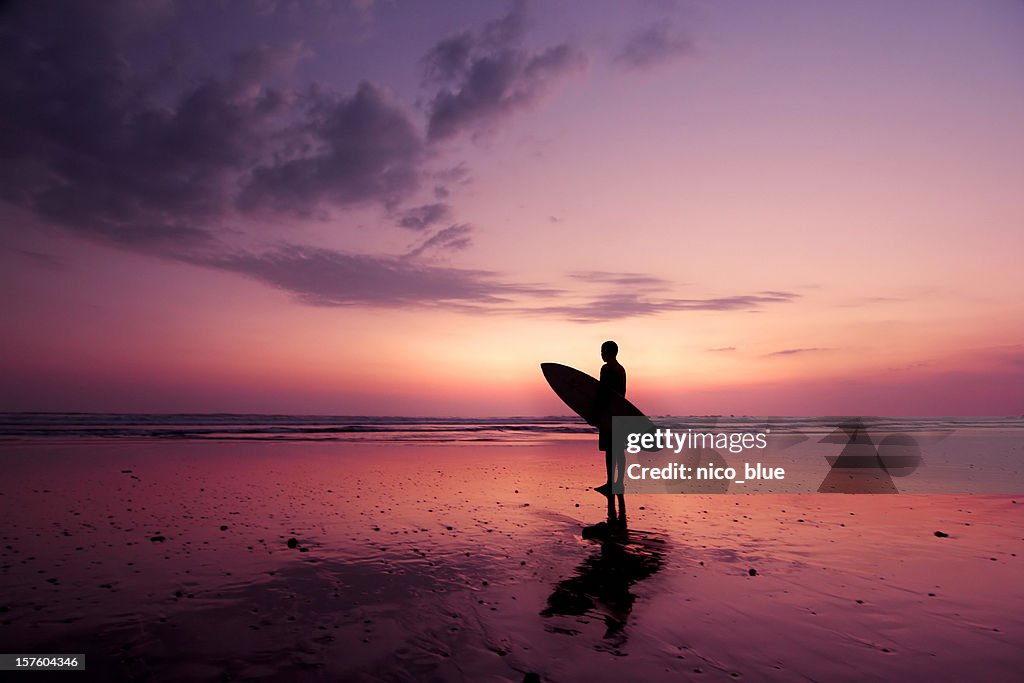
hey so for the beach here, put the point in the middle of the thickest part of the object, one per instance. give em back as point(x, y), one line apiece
point(377, 561)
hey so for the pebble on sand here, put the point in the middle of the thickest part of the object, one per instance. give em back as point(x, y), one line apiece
point(752, 571)
point(941, 534)
point(292, 543)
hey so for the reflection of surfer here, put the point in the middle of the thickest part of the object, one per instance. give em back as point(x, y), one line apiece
point(601, 586)
point(613, 381)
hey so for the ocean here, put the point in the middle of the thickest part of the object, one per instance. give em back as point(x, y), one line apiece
point(227, 426)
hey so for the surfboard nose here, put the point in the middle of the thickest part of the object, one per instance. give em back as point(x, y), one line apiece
point(549, 369)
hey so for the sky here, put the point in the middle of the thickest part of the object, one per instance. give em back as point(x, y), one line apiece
point(402, 208)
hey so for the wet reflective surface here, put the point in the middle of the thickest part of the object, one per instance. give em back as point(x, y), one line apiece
point(342, 561)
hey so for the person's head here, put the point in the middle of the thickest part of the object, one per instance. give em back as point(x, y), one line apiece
point(609, 350)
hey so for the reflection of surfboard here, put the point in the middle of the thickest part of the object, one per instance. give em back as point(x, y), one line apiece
point(579, 391)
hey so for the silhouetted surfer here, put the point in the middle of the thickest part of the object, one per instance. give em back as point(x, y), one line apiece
point(613, 381)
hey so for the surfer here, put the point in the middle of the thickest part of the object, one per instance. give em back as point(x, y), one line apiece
point(613, 381)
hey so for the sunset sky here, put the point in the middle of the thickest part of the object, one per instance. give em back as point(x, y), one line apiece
point(402, 208)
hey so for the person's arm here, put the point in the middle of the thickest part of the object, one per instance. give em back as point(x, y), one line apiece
point(604, 394)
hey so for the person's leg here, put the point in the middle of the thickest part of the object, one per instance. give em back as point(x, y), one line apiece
point(621, 519)
point(618, 466)
point(609, 464)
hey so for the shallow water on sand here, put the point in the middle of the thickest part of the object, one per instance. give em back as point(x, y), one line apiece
point(171, 560)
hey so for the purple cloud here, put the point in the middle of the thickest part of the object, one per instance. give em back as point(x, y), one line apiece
point(486, 75)
point(425, 216)
point(95, 145)
point(627, 305)
point(452, 238)
point(150, 162)
point(793, 352)
point(653, 46)
point(634, 280)
point(324, 277)
point(368, 149)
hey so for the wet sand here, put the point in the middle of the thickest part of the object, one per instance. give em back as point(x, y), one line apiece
point(172, 560)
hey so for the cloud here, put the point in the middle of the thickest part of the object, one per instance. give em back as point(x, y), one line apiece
point(423, 217)
point(450, 58)
point(367, 149)
point(81, 151)
point(325, 277)
point(167, 167)
point(793, 352)
point(627, 305)
point(653, 46)
point(452, 238)
point(628, 295)
point(722, 349)
point(453, 56)
point(93, 144)
point(485, 75)
point(634, 280)
point(149, 162)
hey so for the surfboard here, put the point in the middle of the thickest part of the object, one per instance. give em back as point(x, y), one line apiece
point(578, 390)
